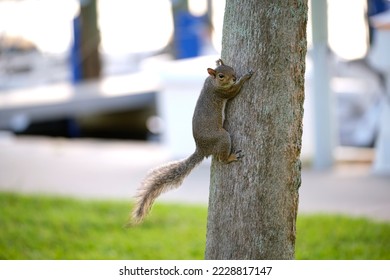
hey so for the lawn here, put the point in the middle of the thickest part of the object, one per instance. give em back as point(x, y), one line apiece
point(40, 227)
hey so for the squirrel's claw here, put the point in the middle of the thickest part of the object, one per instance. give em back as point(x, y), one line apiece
point(239, 155)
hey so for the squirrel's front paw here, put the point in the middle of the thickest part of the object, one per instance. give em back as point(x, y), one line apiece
point(238, 154)
point(249, 74)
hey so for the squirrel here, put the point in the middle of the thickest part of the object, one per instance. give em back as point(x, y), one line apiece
point(209, 135)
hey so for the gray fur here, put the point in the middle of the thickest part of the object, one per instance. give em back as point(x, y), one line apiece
point(210, 138)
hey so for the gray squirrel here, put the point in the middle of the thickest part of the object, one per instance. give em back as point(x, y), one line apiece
point(210, 138)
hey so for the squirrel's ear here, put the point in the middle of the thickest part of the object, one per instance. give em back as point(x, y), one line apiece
point(211, 72)
point(220, 62)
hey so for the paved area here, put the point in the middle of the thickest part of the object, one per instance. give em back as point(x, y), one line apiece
point(113, 170)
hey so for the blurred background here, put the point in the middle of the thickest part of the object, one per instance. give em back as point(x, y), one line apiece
point(93, 93)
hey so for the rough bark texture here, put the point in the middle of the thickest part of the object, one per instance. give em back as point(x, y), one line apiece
point(253, 203)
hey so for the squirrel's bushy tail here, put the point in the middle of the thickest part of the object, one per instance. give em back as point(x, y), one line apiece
point(160, 180)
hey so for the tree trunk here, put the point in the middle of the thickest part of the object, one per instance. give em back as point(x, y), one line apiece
point(253, 203)
point(90, 40)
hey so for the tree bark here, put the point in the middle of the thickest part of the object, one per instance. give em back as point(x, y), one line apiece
point(253, 203)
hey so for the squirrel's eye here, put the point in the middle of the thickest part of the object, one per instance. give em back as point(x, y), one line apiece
point(221, 76)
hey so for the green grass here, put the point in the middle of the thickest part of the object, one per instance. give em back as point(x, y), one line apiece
point(339, 237)
point(39, 227)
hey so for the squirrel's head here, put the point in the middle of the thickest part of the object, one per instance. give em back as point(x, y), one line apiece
point(224, 76)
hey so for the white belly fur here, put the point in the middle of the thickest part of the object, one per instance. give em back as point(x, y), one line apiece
point(223, 110)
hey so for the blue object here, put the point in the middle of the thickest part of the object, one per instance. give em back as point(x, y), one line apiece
point(188, 35)
point(377, 7)
point(75, 56)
